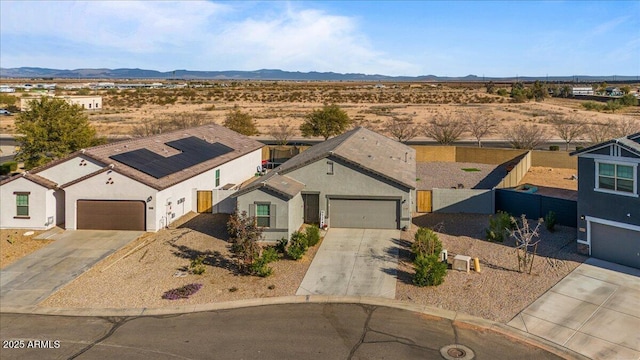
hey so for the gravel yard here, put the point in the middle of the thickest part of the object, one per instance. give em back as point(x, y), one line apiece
point(499, 291)
point(445, 175)
point(14, 245)
point(138, 275)
point(144, 274)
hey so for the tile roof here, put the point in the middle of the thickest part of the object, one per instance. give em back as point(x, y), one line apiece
point(211, 133)
point(32, 177)
point(630, 143)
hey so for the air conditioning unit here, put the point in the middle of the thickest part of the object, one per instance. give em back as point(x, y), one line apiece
point(461, 263)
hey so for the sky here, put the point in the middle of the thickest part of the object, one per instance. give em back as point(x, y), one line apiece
point(397, 38)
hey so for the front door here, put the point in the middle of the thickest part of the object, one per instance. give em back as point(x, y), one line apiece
point(311, 208)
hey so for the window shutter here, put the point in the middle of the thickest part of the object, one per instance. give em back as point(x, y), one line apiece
point(252, 210)
point(272, 215)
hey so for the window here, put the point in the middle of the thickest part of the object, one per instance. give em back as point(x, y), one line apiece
point(263, 215)
point(616, 177)
point(329, 167)
point(22, 205)
point(217, 177)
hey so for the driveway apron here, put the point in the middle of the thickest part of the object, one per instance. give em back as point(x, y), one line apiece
point(36, 276)
point(354, 262)
point(595, 311)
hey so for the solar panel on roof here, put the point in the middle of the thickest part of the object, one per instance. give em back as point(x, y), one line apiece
point(193, 152)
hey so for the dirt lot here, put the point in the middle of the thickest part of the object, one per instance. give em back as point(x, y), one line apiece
point(14, 245)
point(270, 102)
point(551, 177)
point(499, 291)
point(137, 275)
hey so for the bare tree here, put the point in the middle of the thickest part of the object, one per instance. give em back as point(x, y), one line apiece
point(402, 129)
point(524, 235)
point(525, 136)
point(282, 132)
point(623, 127)
point(568, 128)
point(152, 127)
point(445, 129)
point(598, 132)
point(479, 125)
point(185, 120)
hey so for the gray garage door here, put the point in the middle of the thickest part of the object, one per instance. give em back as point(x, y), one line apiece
point(367, 214)
point(621, 246)
point(111, 215)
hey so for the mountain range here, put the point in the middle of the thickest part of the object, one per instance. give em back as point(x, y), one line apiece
point(274, 74)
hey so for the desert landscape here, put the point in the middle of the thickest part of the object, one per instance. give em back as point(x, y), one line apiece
point(368, 104)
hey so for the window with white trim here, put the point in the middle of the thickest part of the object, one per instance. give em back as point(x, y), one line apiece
point(616, 177)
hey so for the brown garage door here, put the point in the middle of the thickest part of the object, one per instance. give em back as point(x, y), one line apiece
point(111, 215)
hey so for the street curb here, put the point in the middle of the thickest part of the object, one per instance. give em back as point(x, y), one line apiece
point(457, 318)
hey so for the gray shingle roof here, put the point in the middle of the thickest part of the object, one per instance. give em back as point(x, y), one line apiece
point(630, 143)
point(361, 147)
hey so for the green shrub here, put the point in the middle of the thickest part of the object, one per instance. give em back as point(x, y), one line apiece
point(502, 92)
point(499, 226)
point(592, 105)
point(13, 165)
point(426, 243)
point(429, 271)
point(197, 266)
point(259, 266)
point(578, 148)
point(5, 169)
point(313, 235)
point(298, 245)
point(550, 221)
point(281, 245)
point(554, 148)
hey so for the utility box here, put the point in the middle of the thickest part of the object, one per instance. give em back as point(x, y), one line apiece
point(461, 263)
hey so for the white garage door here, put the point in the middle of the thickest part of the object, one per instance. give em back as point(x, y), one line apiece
point(364, 213)
point(615, 244)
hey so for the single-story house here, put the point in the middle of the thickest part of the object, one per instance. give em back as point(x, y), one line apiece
point(139, 184)
point(359, 179)
point(608, 200)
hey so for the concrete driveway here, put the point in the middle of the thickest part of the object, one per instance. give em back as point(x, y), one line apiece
point(39, 274)
point(594, 311)
point(354, 262)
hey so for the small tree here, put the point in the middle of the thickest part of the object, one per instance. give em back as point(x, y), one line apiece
point(244, 234)
point(426, 243)
point(524, 236)
point(429, 271)
point(326, 122)
point(623, 126)
point(185, 120)
point(479, 125)
point(240, 122)
point(491, 87)
point(598, 132)
point(281, 132)
point(445, 129)
point(52, 128)
point(152, 127)
point(568, 128)
point(402, 129)
point(525, 136)
point(539, 91)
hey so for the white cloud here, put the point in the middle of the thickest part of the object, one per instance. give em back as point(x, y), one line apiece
point(608, 26)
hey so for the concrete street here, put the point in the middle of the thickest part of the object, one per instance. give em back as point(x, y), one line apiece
point(354, 262)
point(594, 311)
point(295, 331)
point(39, 274)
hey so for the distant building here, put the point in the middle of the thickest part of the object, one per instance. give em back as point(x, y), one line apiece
point(586, 90)
point(85, 102)
point(6, 89)
point(613, 91)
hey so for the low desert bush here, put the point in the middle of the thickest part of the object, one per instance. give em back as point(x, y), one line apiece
point(197, 266)
point(298, 245)
point(429, 271)
point(182, 292)
point(426, 243)
point(313, 235)
point(281, 245)
point(260, 265)
point(554, 147)
point(499, 227)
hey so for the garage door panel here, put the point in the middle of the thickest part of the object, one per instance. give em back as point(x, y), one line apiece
point(111, 215)
point(364, 213)
point(615, 244)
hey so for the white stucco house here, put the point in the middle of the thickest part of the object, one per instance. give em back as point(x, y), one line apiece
point(139, 184)
point(84, 102)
